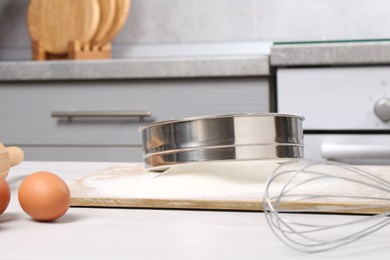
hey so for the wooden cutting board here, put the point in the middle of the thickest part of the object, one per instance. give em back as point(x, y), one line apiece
point(107, 16)
point(132, 186)
point(122, 8)
point(55, 24)
point(219, 187)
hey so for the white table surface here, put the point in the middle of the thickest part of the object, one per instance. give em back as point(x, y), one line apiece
point(104, 233)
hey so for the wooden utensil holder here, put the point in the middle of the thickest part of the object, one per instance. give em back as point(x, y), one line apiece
point(76, 51)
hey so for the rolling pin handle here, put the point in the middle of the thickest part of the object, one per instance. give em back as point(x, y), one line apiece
point(16, 155)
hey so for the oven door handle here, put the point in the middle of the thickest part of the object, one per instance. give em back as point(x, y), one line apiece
point(354, 151)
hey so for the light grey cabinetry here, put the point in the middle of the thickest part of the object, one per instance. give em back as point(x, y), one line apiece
point(26, 108)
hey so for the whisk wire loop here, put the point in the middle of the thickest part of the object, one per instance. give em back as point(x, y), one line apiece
point(325, 187)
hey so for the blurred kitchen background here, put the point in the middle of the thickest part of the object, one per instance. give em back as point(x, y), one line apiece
point(175, 27)
point(183, 58)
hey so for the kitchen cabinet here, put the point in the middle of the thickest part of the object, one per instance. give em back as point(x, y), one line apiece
point(26, 108)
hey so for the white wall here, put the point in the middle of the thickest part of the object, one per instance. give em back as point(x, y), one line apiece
point(287, 20)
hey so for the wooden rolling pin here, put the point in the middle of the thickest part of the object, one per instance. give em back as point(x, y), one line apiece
point(9, 156)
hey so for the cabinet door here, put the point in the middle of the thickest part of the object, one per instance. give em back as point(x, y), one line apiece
point(26, 108)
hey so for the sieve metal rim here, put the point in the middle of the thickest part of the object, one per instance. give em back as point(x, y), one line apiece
point(222, 137)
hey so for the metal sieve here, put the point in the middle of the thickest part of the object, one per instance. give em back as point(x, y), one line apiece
point(225, 137)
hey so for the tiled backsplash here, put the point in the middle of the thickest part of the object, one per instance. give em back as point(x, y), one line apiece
point(199, 22)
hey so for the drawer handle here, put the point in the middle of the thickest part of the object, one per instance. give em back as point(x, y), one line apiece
point(354, 151)
point(131, 114)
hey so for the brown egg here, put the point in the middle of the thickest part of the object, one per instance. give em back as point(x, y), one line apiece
point(5, 195)
point(44, 196)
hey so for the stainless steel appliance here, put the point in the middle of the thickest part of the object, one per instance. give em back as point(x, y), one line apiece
point(346, 110)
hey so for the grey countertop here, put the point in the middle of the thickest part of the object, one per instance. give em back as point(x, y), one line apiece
point(174, 67)
point(302, 54)
point(331, 53)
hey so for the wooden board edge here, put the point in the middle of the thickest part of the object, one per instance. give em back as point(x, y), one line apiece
point(167, 204)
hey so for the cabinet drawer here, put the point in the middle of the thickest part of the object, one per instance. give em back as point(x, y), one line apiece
point(335, 98)
point(25, 108)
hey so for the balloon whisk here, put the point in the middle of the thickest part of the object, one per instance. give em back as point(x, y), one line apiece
point(325, 188)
